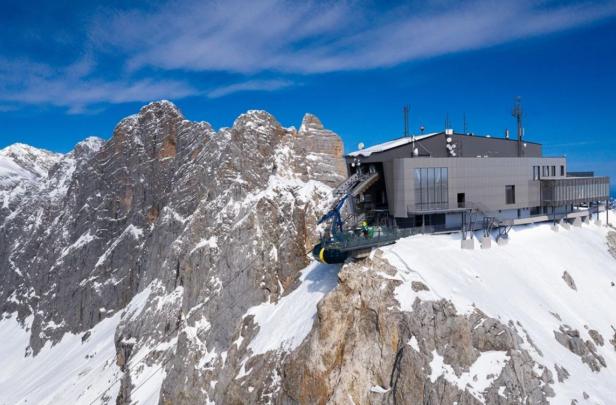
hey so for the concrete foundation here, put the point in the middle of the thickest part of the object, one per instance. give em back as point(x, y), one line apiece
point(486, 242)
point(503, 241)
point(577, 222)
point(554, 227)
point(565, 224)
point(468, 244)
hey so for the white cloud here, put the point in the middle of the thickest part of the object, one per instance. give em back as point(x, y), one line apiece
point(250, 85)
point(76, 88)
point(273, 38)
point(315, 37)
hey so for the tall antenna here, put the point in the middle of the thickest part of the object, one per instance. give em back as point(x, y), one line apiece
point(518, 113)
point(406, 120)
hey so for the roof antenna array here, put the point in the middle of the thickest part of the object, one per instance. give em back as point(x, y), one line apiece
point(406, 120)
point(518, 113)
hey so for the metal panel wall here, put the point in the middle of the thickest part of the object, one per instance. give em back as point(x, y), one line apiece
point(482, 180)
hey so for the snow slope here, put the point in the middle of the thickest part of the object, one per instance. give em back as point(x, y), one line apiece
point(80, 369)
point(522, 282)
point(30, 161)
point(285, 324)
point(10, 172)
point(72, 371)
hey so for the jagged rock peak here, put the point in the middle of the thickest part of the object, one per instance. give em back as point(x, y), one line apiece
point(259, 117)
point(161, 106)
point(88, 147)
point(310, 121)
point(154, 110)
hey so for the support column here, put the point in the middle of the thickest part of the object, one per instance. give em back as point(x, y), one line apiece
point(565, 224)
point(598, 219)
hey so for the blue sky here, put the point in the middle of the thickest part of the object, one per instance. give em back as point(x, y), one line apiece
point(73, 69)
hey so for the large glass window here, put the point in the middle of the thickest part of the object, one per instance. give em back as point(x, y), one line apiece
point(431, 188)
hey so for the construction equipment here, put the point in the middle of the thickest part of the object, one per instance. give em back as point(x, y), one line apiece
point(355, 237)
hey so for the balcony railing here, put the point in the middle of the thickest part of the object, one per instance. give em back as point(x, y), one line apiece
point(574, 190)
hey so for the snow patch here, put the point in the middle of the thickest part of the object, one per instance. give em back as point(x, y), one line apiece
point(72, 371)
point(480, 375)
point(285, 324)
point(521, 284)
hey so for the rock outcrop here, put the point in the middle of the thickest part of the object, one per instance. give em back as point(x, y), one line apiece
point(364, 349)
point(196, 225)
point(170, 263)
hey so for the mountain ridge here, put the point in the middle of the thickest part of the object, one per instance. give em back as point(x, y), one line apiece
point(168, 265)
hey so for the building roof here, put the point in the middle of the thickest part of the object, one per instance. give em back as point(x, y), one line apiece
point(471, 151)
point(381, 147)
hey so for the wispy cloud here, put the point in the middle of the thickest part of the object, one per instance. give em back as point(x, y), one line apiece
point(264, 45)
point(76, 86)
point(250, 85)
point(316, 37)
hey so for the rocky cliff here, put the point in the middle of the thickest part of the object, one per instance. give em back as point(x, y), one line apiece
point(168, 265)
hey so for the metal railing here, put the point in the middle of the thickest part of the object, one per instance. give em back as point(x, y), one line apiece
point(357, 239)
point(574, 190)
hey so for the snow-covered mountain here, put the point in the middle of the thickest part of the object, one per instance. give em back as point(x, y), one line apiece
point(168, 265)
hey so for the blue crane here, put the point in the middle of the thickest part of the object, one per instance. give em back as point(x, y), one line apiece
point(334, 215)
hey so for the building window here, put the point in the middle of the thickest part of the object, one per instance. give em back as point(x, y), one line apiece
point(431, 188)
point(546, 171)
point(536, 173)
point(562, 171)
point(553, 171)
point(510, 194)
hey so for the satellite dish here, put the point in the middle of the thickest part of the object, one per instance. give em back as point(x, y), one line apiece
point(361, 146)
point(449, 139)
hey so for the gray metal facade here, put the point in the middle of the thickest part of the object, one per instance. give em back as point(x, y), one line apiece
point(483, 182)
point(430, 176)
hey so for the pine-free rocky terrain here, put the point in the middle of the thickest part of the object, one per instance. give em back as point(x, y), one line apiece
point(169, 265)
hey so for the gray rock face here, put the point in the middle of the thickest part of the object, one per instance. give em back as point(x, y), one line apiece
point(365, 350)
point(569, 280)
point(570, 338)
point(179, 230)
point(201, 224)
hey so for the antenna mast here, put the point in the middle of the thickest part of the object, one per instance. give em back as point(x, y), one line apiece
point(518, 113)
point(406, 120)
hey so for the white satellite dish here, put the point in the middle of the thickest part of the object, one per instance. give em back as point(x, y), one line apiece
point(361, 146)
